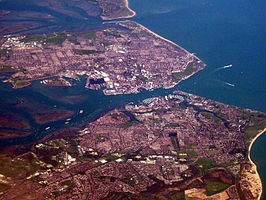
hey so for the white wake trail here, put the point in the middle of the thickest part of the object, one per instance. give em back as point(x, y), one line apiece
point(220, 68)
point(230, 84)
point(224, 82)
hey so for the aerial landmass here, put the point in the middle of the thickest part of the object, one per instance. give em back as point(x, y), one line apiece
point(115, 9)
point(178, 146)
point(121, 60)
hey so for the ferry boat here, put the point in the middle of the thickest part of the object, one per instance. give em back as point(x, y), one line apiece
point(227, 66)
point(230, 84)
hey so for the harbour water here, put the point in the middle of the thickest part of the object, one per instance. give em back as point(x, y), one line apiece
point(87, 105)
point(221, 33)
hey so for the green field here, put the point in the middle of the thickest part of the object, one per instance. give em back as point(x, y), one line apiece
point(86, 52)
point(206, 163)
point(21, 83)
point(128, 124)
point(190, 69)
point(259, 123)
point(214, 187)
point(6, 68)
point(59, 38)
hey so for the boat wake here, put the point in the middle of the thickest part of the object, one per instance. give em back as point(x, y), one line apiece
point(230, 84)
point(223, 82)
point(227, 66)
point(221, 68)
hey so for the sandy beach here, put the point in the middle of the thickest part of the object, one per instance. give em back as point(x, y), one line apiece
point(127, 16)
point(127, 6)
point(249, 157)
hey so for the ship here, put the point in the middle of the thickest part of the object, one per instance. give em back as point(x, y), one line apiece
point(227, 66)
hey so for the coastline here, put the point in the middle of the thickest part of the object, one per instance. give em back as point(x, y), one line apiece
point(251, 161)
point(126, 16)
point(160, 37)
point(146, 29)
point(130, 10)
point(155, 35)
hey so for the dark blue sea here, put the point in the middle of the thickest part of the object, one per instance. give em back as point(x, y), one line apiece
point(220, 32)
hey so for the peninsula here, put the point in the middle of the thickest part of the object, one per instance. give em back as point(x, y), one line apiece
point(177, 146)
point(123, 59)
point(115, 9)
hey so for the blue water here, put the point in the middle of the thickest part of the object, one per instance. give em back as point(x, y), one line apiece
point(258, 156)
point(93, 104)
point(220, 32)
point(75, 20)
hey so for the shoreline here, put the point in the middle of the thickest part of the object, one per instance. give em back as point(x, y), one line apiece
point(157, 36)
point(148, 30)
point(251, 161)
point(160, 37)
point(126, 16)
